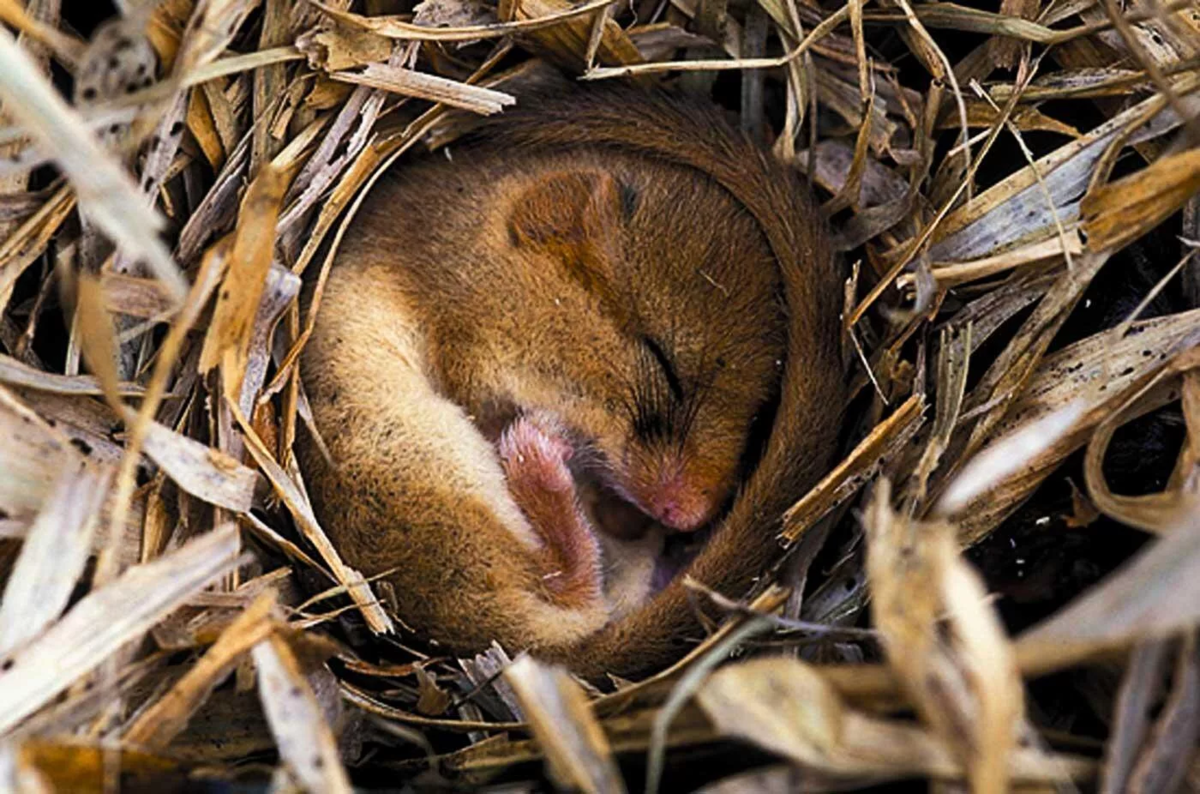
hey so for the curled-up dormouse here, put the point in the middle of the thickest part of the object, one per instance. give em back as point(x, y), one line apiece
point(595, 347)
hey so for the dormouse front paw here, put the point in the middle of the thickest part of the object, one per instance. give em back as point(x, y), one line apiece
point(534, 454)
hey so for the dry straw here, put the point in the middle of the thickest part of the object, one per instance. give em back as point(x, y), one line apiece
point(155, 527)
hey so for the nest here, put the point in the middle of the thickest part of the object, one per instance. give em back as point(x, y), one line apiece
point(997, 583)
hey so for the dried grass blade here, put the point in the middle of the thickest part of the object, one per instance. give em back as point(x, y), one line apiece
point(206, 473)
point(357, 587)
point(158, 725)
point(97, 337)
point(67, 48)
point(1006, 52)
point(783, 705)
point(138, 422)
point(106, 192)
point(770, 600)
point(246, 62)
point(949, 274)
point(17, 374)
point(558, 712)
point(366, 702)
point(33, 455)
point(485, 670)
point(788, 708)
point(409, 82)
point(990, 665)
point(106, 620)
point(228, 338)
point(22, 247)
point(902, 563)
point(819, 32)
point(1165, 764)
point(985, 471)
point(1008, 375)
point(853, 472)
point(212, 26)
point(964, 683)
point(210, 30)
point(953, 362)
point(279, 295)
point(981, 226)
point(305, 741)
point(1139, 690)
point(1156, 512)
point(950, 16)
point(53, 556)
point(734, 633)
point(395, 28)
point(1121, 211)
point(133, 296)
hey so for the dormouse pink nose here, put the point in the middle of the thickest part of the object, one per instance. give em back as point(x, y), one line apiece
point(679, 505)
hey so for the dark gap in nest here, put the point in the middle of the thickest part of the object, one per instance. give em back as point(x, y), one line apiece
point(727, 90)
point(49, 341)
point(1142, 453)
point(1124, 282)
point(1075, 701)
point(1037, 563)
point(775, 99)
point(86, 17)
point(1082, 115)
point(982, 358)
point(1034, 559)
point(698, 765)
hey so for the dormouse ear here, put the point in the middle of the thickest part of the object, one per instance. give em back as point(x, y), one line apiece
point(576, 217)
point(566, 208)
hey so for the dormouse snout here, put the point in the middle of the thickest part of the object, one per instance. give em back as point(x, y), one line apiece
point(677, 497)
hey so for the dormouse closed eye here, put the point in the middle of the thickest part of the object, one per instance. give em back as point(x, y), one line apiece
point(629, 200)
point(665, 364)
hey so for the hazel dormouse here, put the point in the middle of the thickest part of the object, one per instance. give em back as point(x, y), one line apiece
point(605, 327)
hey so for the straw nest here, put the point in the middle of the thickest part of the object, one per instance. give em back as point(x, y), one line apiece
point(998, 584)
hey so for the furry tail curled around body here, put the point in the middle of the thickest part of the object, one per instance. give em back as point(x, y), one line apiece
point(804, 436)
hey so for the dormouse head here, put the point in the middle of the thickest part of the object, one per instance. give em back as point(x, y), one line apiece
point(683, 340)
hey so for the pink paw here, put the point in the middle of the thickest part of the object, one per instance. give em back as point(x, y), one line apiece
point(534, 455)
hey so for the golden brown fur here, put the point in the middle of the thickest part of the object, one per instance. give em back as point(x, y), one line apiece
point(622, 270)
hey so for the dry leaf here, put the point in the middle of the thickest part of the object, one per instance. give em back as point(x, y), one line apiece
point(53, 556)
point(557, 709)
point(306, 743)
point(107, 194)
point(228, 338)
point(1124, 210)
point(410, 82)
point(106, 620)
point(157, 726)
point(964, 681)
point(786, 707)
